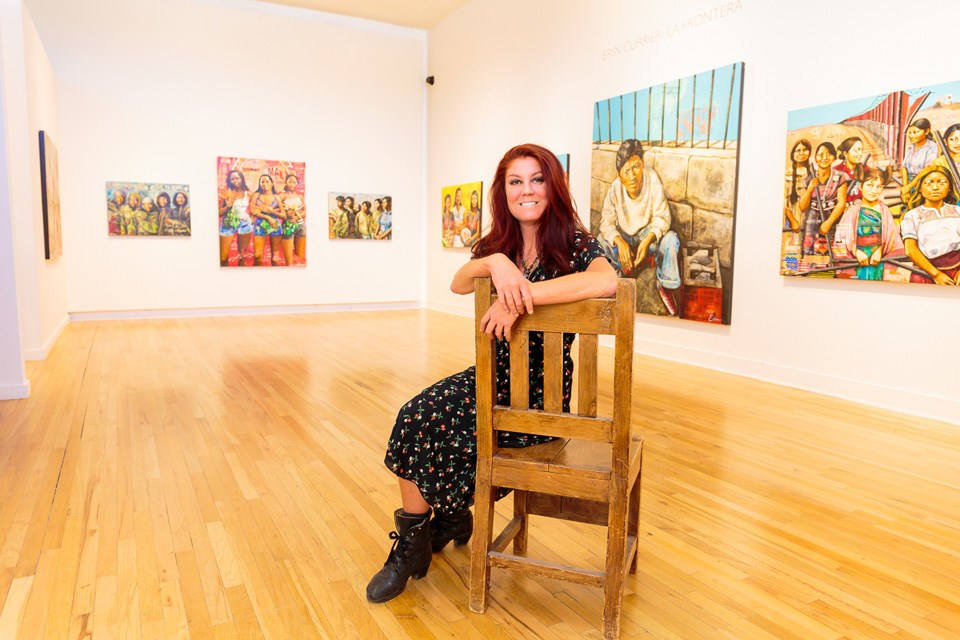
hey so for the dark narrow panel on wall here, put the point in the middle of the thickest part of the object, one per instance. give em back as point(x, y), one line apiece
point(663, 114)
point(726, 131)
point(621, 117)
point(713, 75)
point(693, 110)
point(677, 138)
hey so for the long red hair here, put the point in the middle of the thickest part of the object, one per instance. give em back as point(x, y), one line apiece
point(558, 225)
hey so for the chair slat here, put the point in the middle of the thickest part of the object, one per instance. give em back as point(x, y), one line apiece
point(553, 372)
point(520, 370)
point(558, 425)
point(587, 376)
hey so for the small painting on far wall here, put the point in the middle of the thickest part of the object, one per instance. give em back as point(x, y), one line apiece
point(360, 216)
point(148, 209)
point(50, 196)
point(461, 214)
point(564, 159)
point(261, 210)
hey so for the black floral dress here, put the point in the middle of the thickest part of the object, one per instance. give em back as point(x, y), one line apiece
point(434, 440)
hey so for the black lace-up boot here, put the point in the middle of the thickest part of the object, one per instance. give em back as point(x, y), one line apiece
point(409, 556)
point(444, 528)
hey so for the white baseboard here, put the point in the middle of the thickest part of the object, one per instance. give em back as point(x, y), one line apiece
point(923, 405)
point(149, 314)
point(15, 391)
point(44, 351)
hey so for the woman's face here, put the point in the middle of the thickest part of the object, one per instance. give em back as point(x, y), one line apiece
point(163, 201)
point(235, 180)
point(376, 205)
point(526, 190)
point(181, 199)
point(291, 183)
point(134, 200)
point(872, 189)
point(953, 142)
point(266, 183)
point(148, 205)
point(801, 154)
point(935, 187)
point(824, 158)
point(458, 199)
point(915, 135)
point(446, 203)
point(118, 197)
point(855, 153)
point(474, 200)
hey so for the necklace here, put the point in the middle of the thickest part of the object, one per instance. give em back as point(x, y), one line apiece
point(528, 267)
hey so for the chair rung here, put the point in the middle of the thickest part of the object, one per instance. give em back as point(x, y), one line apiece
point(507, 535)
point(588, 577)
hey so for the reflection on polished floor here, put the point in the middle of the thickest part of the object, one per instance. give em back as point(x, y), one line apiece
point(223, 478)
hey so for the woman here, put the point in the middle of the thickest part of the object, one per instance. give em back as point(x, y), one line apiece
point(235, 220)
point(268, 217)
point(823, 200)
point(537, 252)
point(796, 178)
point(867, 231)
point(295, 228)
point(129, 213)
point(449, 227)
point(951, 138)
point(164, 210)
point(850, 153)
point(920, 151)
point(114, 216)
point(181, 214)
point(365, 221)
point(931, 228)
point(471, 221)
point(148, 218)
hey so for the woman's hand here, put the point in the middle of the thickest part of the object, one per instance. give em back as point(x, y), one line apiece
point(498, 321)
point(875, 257)
point(512, 288)
point(941, 278)
point(862, 258)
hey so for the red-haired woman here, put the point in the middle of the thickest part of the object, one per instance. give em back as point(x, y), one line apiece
point(537, 252)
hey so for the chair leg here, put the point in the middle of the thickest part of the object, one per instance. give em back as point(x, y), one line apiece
point(634, 526)
point(616, 560)
point(482, 537)
point(520, 511)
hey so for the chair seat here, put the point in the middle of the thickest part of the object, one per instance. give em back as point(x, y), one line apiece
point(572, 468)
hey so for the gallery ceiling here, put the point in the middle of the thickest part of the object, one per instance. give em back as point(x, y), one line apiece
point(419, 14)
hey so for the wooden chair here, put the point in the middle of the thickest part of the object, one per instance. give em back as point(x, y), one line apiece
point(590, 474)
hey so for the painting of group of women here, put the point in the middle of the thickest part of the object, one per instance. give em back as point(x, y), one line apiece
point(360, 216)
point(871, 195)
point(261, 209)
point(148, 209)
point(460, 216)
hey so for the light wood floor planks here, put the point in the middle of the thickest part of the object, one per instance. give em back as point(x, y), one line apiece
point(222, 478)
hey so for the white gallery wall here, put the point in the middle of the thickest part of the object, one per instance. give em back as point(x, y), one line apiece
point(510, 72)
point(152, 91)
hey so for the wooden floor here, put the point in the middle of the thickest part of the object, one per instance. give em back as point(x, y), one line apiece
point(222, 478)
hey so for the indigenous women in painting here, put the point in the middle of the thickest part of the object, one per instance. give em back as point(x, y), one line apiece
point(823, 200)
point(931, 228)
point(867, 231)
point(796, 177)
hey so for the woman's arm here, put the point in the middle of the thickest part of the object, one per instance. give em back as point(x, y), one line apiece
point(507, 278)
point(913, 252)
point(598, 281)
point(827, 224)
